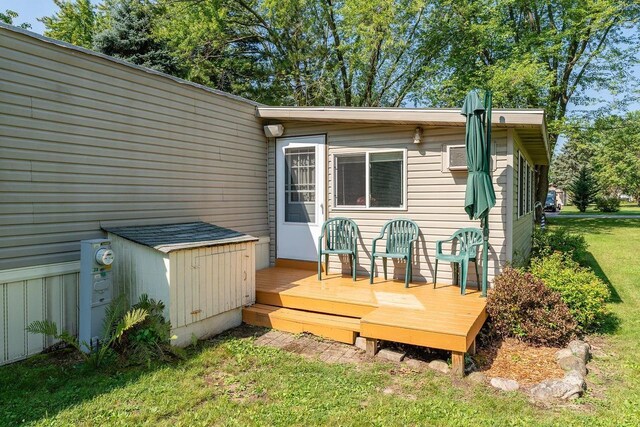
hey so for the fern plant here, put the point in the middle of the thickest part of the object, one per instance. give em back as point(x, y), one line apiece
point(116, 322)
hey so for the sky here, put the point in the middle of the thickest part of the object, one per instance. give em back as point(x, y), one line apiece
point(30, 10)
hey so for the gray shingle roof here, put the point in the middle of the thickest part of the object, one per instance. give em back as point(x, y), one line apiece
point(171, 237)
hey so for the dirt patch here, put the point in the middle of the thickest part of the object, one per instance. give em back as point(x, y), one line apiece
point(518, 361)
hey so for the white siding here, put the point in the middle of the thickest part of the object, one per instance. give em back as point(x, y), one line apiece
point(435, 195)
point(37, 296)
point(85, 141)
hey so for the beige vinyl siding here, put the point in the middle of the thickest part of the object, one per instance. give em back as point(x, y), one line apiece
point(523, 225)
point(86, 142)
point(435, 195)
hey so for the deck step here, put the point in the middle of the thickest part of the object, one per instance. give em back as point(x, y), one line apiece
point(337, 328)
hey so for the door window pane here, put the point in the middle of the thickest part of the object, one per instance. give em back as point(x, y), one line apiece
point(386, 178)
point(351, 180)
point(300, 184)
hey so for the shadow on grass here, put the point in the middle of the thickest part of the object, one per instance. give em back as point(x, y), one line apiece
point(46, 384)
point(594, 225)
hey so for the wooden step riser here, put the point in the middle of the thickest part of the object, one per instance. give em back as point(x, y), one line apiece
point(414, 337)
point(312, 304)
point(297, 327)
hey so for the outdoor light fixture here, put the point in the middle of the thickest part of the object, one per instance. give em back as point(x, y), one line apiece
point(417, 136)
point(273, 131)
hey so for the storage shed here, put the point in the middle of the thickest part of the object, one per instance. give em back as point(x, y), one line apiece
point(203, 273)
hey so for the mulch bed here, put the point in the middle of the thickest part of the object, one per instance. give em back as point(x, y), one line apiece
point(518, 361)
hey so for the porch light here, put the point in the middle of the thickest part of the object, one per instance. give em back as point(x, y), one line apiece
point(417, 135)
point(273, 131)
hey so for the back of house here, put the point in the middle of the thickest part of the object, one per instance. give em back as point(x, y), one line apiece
point(89, 142)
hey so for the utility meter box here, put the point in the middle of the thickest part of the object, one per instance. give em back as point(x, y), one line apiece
point(96, 288)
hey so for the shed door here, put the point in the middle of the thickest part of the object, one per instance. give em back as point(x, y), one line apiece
point(300, 183)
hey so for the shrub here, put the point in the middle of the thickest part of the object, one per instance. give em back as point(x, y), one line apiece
point(608, 204)
point(581, 290)
point(521, 306)
point(545, 243)
point(150, 339)
point(117, 321)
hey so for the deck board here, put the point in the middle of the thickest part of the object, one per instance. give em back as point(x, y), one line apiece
point(420, 315)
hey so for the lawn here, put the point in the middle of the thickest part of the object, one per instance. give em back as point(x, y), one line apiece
point(626, 208)
point(229, 381)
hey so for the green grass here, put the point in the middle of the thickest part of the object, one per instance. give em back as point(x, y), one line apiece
point(626, 208)
point(229, 381)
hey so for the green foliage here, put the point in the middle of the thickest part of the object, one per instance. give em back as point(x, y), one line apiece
point(581, 290)
point(545, 243)
point(129, 36)
point(75, 22)
point(584, 189)
point(608, 203)
point(118, 320)
point(149, 340)
point(8, 16)
point(521, 306)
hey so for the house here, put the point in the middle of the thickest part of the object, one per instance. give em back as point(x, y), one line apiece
point(89, 142)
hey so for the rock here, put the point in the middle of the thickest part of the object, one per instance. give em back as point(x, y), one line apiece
point(415, 363)
point(580, 349)
point(440, 366)
point(392, 355)
point(565, 352)
point(361, 343)
point(505, 384)
point(570, 387)
point(573, 363)
point(477, 378)
point(575, 378)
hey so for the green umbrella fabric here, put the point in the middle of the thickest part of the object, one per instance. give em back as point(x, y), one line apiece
point(480, 196)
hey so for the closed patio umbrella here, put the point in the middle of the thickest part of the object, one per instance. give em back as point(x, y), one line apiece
point(480, 196)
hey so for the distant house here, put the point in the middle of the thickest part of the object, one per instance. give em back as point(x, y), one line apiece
point(88, 142)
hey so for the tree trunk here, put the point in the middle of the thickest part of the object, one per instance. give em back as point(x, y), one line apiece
point(542, 188)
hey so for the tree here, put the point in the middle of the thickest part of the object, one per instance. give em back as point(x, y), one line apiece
point(308, 52)
point(537, 53)
point(617, 154)
point(75, 22)
point(584, 189)
point(8, 16)
point(129, 36)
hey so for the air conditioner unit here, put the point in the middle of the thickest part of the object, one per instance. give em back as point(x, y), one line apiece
point(456, 158)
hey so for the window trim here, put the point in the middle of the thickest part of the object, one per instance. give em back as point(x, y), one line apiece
point(526, 190)
point(367, 152)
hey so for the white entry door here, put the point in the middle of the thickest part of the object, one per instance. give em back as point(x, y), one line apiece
point(300, 194)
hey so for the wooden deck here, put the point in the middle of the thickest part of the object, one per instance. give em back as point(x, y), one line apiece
point(339, 308)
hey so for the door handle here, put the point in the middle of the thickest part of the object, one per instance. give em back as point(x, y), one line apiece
point(322, 208)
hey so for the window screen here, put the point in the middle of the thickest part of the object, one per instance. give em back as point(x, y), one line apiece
point(386, 179)
point(351, 180)
point(300, 184)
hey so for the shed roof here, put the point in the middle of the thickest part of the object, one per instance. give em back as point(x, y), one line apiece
point(172, 237)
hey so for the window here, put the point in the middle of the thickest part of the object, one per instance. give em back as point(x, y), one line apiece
point(300, 184)
point(457, 157)
point(525, 186)
point(370, 180)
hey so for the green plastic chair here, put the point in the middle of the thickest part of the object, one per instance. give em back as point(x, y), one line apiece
point(469, 239)
point(401, 234)
point(341, 238)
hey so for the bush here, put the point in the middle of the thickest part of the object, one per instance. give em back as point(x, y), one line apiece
point(608, 204)
point(545, 243)
point(150, 339)
point(581, 290)
point(521, 306)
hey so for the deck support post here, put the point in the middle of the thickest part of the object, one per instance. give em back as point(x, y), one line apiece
point(372, 347)
point(472, 348)
point(457, 363)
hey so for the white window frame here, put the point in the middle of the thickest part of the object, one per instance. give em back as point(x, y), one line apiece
point(367, 206)
point(524, 194)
